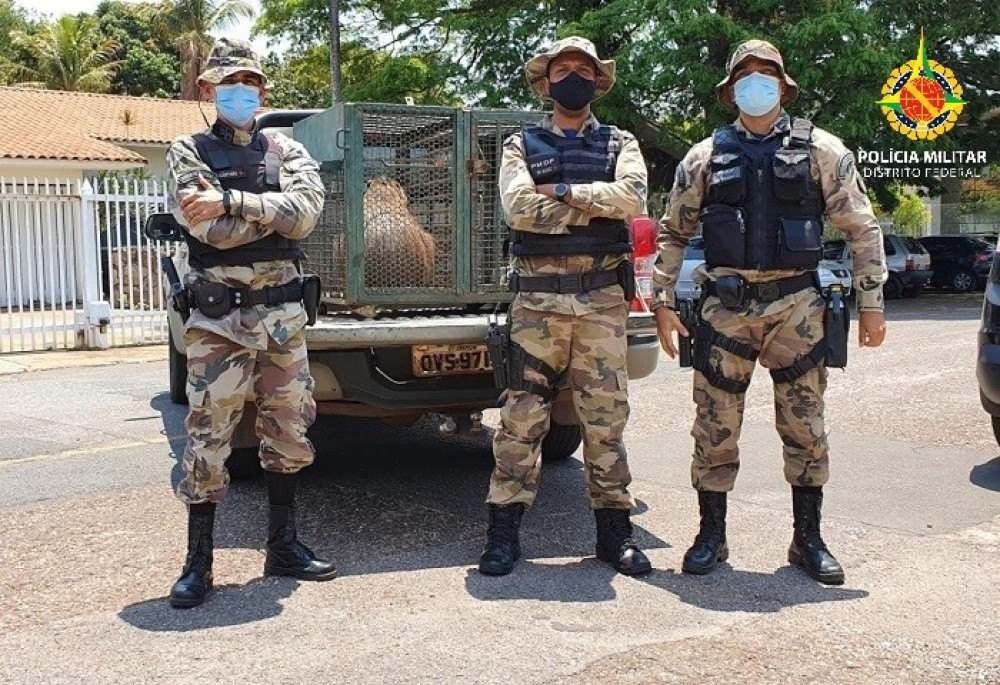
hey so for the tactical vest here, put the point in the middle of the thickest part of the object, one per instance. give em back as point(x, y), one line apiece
point(252, 168)
point(762, 209)
point(553, 158)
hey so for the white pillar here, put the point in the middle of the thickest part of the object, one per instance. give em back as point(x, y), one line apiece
point(96, 311)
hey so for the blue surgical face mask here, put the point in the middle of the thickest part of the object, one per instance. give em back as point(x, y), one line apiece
point(237, 102)
point(757, 94)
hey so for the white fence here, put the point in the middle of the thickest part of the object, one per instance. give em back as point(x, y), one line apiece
point(75, 267)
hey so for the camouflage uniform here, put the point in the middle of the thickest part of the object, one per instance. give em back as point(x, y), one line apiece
point(259, 350)
point(782, 331)
point(581, 335)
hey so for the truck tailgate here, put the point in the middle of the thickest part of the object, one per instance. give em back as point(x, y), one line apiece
point(343, 332)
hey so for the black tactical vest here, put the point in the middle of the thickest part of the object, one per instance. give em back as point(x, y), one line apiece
point(762, 209)
point(553, 158)
point(251, 168)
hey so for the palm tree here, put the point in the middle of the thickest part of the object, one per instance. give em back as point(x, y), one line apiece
point(192, 22)
point(70, 54)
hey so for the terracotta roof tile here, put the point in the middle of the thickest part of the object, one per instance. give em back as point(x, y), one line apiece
point(50, 124)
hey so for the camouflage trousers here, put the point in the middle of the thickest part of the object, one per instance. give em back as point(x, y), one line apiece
point(221, 374)
point(590, 352)
point(782, 332)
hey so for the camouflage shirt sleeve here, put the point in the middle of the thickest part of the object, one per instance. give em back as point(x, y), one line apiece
point(623, 198)
point(293, 211)
point(184, 166)
point(850, 212)
point(525, 209)
point(680, 220)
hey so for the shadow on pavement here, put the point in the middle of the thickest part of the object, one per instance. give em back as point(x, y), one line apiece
point(587, 580)
point(228, 605)
point(386, 499)
point(986, 475)
point(728, 589)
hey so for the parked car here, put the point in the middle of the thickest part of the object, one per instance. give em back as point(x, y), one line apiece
point(960, 262)
point(988, 358)
point(908, 262)
point(694, 256)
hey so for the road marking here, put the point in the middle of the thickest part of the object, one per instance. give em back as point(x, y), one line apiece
point(86, 451)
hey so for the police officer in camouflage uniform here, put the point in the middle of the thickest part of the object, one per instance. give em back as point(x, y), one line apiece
point(758, 190)
point(568, 187)
point(246, 198)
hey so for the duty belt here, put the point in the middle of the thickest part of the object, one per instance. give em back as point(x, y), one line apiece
point(208, 295)
point(564, 283)
point(771, 290)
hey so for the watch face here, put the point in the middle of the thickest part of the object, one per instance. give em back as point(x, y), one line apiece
point(561, 190)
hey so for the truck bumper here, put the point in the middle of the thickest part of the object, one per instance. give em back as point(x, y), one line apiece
point(372, 370)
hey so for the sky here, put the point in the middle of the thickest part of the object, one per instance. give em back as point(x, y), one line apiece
point(59, 7)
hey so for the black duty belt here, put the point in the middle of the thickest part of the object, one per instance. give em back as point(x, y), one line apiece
point(772, 290)
point(570, 284)
point(210, 295)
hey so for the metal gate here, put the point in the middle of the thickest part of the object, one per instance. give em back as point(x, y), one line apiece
point(75, 269)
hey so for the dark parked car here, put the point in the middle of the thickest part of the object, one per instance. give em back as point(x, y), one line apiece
point(988, 359)
point(959, 262)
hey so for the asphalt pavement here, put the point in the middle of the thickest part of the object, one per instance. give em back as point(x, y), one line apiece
point(91, 538)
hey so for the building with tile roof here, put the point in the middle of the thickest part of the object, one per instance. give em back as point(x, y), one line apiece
point(58, 134)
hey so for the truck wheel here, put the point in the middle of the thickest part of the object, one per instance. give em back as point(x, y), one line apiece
point(913, 291)
point(177, 364)
point(893, 288)
point(561, 441)
point(963, 281)
point(244, 463)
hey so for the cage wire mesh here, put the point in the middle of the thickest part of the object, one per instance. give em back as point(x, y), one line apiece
point(326, 246)
point(489, 227)
point(409, 212)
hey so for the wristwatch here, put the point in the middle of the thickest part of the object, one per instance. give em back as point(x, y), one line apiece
point(562, 190)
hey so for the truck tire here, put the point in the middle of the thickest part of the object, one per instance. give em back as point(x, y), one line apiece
point(177, 364)
point(913, 291)
point(561, 441)
point(244, 463)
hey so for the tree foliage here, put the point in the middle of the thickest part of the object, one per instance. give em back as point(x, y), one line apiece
point(192, 23)
point(150, 59)
point(70, 54)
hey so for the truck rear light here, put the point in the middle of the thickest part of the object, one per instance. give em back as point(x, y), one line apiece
point(643, 258)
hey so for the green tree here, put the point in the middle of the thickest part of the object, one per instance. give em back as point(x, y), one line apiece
point(13, 58)
point(910, 216)
point(193, 21)
point(150, 59)
point(70, 54)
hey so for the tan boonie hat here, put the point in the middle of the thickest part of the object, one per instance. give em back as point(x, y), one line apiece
point(230, 56)
point(537, 68)
point(760, 49)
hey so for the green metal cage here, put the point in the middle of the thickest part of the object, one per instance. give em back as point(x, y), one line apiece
point(412, 216)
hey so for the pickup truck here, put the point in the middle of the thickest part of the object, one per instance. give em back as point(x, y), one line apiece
point(399, 352)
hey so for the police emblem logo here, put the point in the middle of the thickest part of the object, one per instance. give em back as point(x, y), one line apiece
point(922, 99)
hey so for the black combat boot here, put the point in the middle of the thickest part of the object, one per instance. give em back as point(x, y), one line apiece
point(195, 582)
point(286, 556)
point(503, 546)
point(709, 546)
point(808, 549)
point(615, 544)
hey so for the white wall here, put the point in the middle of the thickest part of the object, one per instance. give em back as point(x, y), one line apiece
point(41, 170)
point(156, 156)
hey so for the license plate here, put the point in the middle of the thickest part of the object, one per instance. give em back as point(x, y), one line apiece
point(448, 360)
